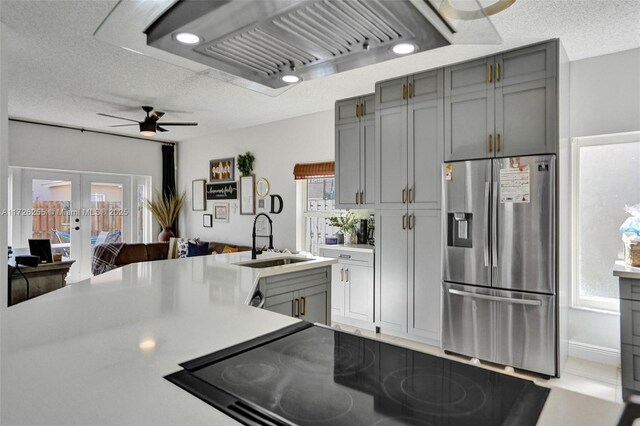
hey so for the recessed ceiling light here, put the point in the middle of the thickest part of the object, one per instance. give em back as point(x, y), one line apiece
point(403, 48)
point(290, 78)
point(187, 38)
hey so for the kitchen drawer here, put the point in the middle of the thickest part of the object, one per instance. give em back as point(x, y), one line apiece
point(629, 289)
point(294, 281)
point(348, 255)
point(630, 367)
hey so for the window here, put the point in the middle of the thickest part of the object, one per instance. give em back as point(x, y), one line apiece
point(606, 177)
point(316, 202)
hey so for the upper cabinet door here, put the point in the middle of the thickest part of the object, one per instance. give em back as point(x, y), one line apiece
point(526, 118)
point(392, 93)
point(537, 62)
point(469, 126)
point(368, 107)
point(426, 86)
point(426, 136)
point(347, 153)
point(391, 166)
point(347, 110)
point(469, 77)
point(368, 161)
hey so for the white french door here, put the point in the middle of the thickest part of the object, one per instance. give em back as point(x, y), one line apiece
point(75, 211)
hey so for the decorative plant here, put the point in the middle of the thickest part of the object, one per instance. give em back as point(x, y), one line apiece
point(347, 222)
point(165, 209)
point(245, 163)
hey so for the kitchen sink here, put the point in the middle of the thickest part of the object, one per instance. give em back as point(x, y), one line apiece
point(268, 263)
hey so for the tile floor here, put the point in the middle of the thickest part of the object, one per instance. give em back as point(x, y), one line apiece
point(582, 376)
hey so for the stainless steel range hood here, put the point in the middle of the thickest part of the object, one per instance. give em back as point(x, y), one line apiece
point(262, 40)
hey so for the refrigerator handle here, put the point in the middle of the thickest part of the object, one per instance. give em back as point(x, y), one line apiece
point(494, 227)
point(486, 224)
point(495, 298)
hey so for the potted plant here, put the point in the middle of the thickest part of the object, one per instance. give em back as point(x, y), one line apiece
point(245, 163)
point(165, 210)
point(346, 222)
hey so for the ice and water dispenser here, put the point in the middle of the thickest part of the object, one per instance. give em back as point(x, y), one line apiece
point(459, 230)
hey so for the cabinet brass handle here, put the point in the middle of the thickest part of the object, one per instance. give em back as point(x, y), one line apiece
point(410, 90)
point(362, 110)
point(490, 143)
point(410, 195)
point(341, 274)
point(497, 71)
point(361, 197)
point(296, 308)
point(411, 221)
point(498, 142)
point(303, 306)
point(404, 195)
point(356, 198)
point(357, 110)
point(404, 91)
point(404, 221)
point(490, 73)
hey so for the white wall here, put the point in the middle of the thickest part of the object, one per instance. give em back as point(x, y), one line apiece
point(605, 99)
point(605, 94)
point(277, 146)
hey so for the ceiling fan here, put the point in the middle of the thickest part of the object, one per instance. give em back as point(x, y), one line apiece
point(150, 125)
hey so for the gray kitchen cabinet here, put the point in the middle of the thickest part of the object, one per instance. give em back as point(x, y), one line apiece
point(355, 152)
point(502, 105)
point(408, 273)
point(409, 139)
point(304, 294)
point(630, 335)
point(352, 285)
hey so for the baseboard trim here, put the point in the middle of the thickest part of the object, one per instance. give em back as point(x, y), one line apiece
point(594, 353)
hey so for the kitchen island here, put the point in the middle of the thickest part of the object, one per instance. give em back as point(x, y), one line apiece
point(96, 352)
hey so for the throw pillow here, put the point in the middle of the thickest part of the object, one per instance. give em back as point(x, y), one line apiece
point(200, 249)
point(178, 247)
point(228, 249)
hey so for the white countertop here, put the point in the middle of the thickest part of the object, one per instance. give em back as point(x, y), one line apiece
point(622, 270)
point(366, 248)
point(96, 352)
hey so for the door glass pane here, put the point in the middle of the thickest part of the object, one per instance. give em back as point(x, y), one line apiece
point(107, 213)
point(51, 203)
point(609, 176)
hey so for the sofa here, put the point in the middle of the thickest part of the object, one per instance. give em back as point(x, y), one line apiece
point(138, 252)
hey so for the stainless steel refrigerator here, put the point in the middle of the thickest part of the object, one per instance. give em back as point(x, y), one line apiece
point(499, 261)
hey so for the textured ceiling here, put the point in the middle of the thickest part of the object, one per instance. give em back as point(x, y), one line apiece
point(59, 72)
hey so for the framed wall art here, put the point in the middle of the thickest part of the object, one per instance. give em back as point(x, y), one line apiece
point(198, 194)
point(247, 192)
point(222, 191)
point(222, 170)
point(207, 220)
point(221, 212)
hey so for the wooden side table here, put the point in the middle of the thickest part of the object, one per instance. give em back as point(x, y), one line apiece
point(43, 278)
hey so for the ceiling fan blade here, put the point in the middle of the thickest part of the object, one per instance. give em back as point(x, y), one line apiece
point(160, 129)
point(157, 115)
point(115, 116)
point(123, 125)
point(184, 123)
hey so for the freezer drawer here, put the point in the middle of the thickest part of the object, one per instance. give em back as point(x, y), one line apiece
point(509, 328)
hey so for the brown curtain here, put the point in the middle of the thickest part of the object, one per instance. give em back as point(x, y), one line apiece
point(311, 170)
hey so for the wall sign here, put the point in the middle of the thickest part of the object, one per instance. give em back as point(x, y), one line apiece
point(276, 204)
point(222, 191)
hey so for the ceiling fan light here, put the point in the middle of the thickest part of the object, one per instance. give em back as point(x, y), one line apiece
point(404, 48)
point(187, 38)
point(147, 129)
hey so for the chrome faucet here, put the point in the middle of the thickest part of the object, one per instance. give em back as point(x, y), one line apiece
point(254, 252)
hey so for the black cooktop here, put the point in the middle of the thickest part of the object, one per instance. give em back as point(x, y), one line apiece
point(310, 375)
